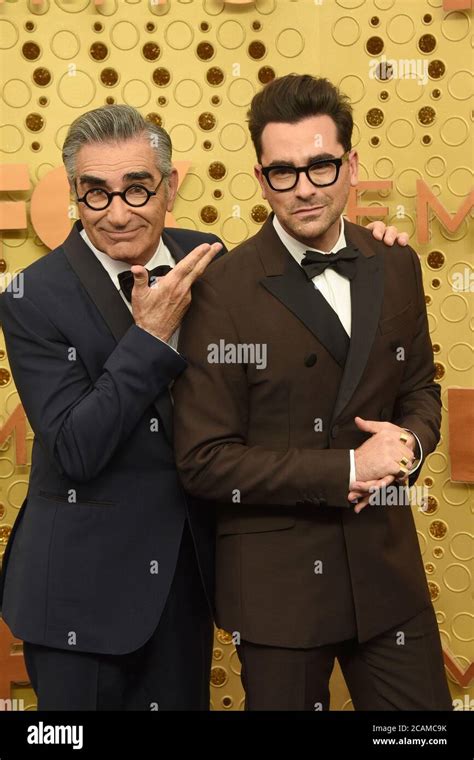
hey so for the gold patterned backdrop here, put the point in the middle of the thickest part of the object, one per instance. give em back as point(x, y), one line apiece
point(193, 66)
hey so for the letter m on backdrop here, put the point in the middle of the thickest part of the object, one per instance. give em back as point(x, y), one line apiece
point(16, 423)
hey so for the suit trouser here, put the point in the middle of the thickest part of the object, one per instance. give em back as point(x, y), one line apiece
point(401, 669)
point(169, 672)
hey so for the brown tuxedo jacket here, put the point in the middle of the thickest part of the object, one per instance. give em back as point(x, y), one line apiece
point(295, 566)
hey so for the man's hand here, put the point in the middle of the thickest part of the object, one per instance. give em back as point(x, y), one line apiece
point(160, 308)
point(389, 235)
point(362, 491)
point(378, 460)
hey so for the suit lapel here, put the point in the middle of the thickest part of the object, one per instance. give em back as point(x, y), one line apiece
point(98, 284)
point(173, 247)
point(286, 281)
point(166, 412)
point(298, 294)
point(109, 302)
point(366, 302)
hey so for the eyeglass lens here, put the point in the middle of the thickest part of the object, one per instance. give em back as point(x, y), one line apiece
point(135, 195)
point(285, 177)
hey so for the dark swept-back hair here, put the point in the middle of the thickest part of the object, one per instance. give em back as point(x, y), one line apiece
point(294, 97)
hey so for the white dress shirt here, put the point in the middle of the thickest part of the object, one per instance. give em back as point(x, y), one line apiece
point(336, 289)
point(113, 268)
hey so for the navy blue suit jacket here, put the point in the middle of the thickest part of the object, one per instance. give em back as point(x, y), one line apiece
point(92, 554)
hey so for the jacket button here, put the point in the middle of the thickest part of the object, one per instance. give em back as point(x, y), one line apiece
point(334, 431)
point(310, 360)
point(395, 344)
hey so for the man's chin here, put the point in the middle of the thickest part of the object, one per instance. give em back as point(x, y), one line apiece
point(309, 228)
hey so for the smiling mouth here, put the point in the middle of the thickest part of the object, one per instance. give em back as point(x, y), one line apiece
point(309, 210)
point(121, 233)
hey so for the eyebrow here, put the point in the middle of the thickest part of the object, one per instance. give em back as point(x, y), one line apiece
point(91, 179)
point(311, 160)
point(137, 175)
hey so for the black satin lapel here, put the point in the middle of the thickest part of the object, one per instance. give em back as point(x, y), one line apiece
point(98, 284)
point(366, 303)
point(298, 294)
point(109, 303)
point(163, 403)
point(173, 247)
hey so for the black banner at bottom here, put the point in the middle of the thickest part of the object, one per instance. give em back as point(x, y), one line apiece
point(377, 734)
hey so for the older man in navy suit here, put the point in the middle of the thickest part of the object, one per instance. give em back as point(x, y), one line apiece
point(103, 575)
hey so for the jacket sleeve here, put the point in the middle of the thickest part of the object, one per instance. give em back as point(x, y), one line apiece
point(418, 403)
point(79, 422)
point(211, 408)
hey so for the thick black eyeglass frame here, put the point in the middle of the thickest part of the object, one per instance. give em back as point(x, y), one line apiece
point(298, 169)
point(121, 193)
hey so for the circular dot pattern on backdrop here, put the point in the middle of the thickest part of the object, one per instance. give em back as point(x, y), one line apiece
point(194, 69)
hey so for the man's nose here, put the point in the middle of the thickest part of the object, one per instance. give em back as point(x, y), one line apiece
point(118, 212)
point(305, 188)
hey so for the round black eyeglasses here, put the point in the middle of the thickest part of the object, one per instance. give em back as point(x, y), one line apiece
point(99, 199)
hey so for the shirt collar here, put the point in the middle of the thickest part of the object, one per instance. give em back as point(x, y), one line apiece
point(114, 267)
point(298, 249)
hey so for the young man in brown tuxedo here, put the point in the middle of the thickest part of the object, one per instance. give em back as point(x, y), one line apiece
point(308, 405)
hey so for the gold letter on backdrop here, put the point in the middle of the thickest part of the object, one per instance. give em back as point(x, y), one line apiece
point(12, 666)
point(16, 423)
point(354, 211)
point(13, 178)
point(49, 208)
point(424, 199)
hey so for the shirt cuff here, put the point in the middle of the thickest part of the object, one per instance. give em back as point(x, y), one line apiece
point(352, 473)
point(420, 455)
point(177, 352)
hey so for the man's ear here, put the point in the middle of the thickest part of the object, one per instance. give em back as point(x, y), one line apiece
point(354, 167)
point(172, 189)
point(74, 195)
point(257, 170)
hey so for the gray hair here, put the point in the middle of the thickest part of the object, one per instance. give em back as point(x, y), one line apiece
point(114, 123)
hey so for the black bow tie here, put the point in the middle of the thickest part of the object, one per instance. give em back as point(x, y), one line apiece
point(344, 262)
point(126, 279)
